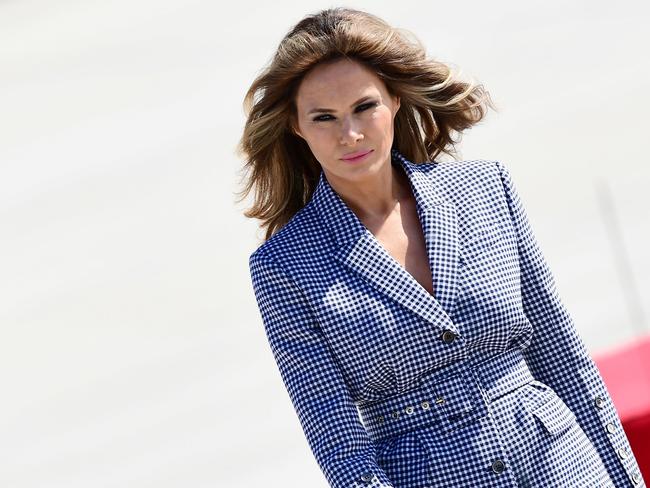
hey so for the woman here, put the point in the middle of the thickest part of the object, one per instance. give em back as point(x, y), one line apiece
point(409, 309)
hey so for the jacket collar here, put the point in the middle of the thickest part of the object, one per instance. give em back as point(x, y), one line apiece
point(358, 249)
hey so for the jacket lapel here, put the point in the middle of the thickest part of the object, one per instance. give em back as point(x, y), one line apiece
point(358, 249)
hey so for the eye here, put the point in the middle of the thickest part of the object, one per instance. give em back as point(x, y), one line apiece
point(360, 108)
point(367, 105)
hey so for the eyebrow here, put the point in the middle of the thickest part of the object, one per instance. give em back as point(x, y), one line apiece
point(331, 110)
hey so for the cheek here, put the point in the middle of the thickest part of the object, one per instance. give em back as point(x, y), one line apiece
point(322, 139)
point(316, 137)
point(382, 121)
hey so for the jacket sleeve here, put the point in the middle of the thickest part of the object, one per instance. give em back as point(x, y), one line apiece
point(327, 413)
point(557, 355)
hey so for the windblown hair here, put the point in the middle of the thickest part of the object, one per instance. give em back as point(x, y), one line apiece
point(435, 105)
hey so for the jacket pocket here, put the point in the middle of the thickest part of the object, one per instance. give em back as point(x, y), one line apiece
point(554, 415)
point(405, 461)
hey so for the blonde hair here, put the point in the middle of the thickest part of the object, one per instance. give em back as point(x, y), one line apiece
point(435, 105)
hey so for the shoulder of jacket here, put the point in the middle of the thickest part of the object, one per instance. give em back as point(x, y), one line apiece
point(465, 175)
point(465, 168)
point(289, 237)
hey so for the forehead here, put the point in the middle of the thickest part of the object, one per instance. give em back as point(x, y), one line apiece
point(337, 83)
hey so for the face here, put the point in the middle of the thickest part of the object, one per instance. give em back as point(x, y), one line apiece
point(343, 108)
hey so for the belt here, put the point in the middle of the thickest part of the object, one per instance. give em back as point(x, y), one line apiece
point(449, 398)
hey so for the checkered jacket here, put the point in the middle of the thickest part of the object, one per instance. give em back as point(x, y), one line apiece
point(349, 326)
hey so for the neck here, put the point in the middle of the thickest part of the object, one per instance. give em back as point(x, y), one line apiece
point(376, 201)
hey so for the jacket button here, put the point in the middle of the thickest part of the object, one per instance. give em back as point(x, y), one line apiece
point(599, 402)
point(448, 337)
point(611, 428)
point(498, 466)
point(366, 476)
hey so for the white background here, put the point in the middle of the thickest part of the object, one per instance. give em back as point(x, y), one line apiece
point(132, 352)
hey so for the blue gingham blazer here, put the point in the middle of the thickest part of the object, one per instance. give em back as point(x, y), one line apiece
point(348, 325)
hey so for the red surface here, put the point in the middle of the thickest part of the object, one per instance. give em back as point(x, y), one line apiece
point(626, 372)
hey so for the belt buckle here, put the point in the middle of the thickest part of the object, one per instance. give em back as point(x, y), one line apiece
point(458, 400)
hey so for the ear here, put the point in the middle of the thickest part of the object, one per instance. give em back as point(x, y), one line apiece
point(397, 104)
point(293, 127)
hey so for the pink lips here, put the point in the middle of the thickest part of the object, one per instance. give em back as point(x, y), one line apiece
point(358, 156)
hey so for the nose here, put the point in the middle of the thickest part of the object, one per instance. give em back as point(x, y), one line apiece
point(350, 131)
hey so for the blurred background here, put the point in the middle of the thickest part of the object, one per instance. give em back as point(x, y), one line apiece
point(132, 351)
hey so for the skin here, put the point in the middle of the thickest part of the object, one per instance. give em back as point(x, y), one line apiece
point(376, 191)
